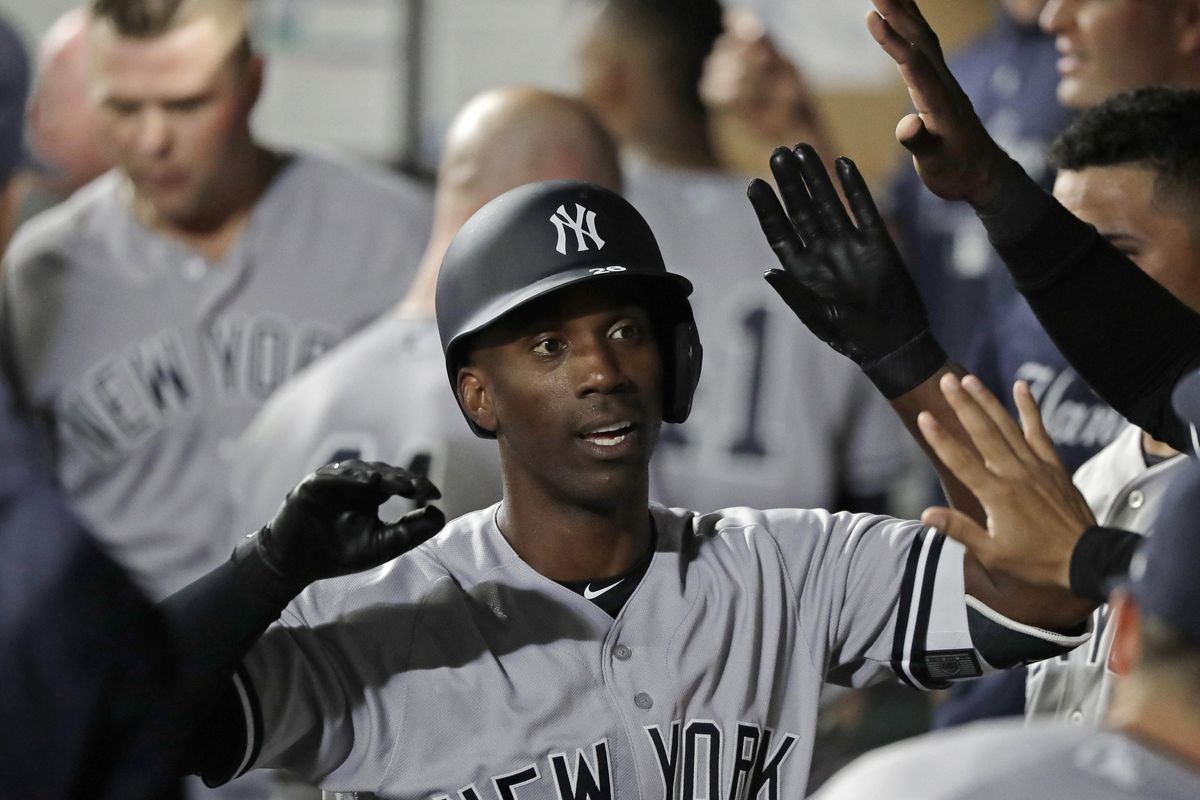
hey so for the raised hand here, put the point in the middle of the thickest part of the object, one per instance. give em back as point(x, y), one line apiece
point(844, 278)
point(1035, 515)
point(329, 524)
point(953, 153)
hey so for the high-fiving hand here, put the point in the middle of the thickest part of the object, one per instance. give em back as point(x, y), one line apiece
point(1035, 515)
point(844, 279)
point(953, 153)
point(329, 524)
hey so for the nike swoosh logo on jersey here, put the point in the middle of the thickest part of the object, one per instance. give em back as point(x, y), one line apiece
point(588, 594)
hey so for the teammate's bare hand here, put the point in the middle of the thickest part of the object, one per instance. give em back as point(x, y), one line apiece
point(1035, 515)
point(329, 524)
point(953, 153)
point(843, 278)
point(747, 77)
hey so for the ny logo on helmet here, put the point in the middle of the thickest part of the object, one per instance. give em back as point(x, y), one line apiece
point(584, 225)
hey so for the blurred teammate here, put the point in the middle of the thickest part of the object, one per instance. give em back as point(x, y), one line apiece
point(381, 396)
point(642, 62)
point(14, 88)
point(148, 318)
point(64, 123)
point(1110, 46)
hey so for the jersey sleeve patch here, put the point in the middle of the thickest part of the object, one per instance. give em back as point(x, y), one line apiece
point(932, 643)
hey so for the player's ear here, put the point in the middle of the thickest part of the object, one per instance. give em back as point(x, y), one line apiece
point(475, 397)
point(1127, 634)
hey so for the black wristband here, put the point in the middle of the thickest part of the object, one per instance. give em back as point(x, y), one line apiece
point(258, 574)
point(1101, 556)
point(908, 366)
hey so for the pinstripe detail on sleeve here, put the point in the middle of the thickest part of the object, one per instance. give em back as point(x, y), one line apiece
point(913, 611)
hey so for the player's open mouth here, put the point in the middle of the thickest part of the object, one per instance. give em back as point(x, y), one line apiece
point(609, 435)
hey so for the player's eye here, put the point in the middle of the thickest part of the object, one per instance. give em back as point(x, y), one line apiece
point(625, 329)
point(122, 108)
point(548, 346)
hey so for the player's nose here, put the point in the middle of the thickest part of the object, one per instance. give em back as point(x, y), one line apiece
point(597, 368)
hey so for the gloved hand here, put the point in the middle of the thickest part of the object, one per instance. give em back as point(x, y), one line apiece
point(847, 283)
point(329, 524)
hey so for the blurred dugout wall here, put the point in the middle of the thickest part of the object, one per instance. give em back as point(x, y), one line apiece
point(382, 78)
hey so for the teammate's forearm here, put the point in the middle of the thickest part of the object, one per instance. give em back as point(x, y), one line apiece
point(1128, 337)
point(928, 396)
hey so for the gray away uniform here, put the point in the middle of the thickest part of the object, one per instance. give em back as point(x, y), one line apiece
point(457, 671)
point(1123, 493)
point(146, 362)
point(380, 396)
point(1009, 760)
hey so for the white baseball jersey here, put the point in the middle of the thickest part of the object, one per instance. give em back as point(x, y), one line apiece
point(145, 361)
point(457, 671)
point(780, 419)
point(1008, 760)
point(382, 395)
point(1123, 493)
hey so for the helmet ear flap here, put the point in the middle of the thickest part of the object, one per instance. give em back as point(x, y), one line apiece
point(681, 365)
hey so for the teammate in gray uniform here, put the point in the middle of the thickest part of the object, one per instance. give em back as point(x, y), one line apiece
point(641, 64)
point(499, 140)
point(1151, 747)
point(148, 318)
point(1131, 167)
point(573, 640)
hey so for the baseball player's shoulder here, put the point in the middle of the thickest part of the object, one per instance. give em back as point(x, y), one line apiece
point(56, 234)
point(991, 759)
point(336, 179)
point(458, 554)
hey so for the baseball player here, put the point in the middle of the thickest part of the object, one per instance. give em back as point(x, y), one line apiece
point(641, 64)
point(499, 140)
point(1059, 263)
point(148, 318)
point(1130, 167)
point(574, 640)
point(1149, 749)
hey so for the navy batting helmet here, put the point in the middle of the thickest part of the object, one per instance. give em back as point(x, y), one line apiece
point(542, 237)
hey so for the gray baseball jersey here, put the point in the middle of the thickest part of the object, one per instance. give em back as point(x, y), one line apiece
point(779, 418)
point(381, 395)
point(1009, 760)
point(458, 672)
point(145, 361)
point(1123, 493)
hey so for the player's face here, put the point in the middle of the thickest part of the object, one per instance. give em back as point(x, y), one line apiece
point(1025, 12)
point(1111, 46)
point(574, 389)
point(1156, 235)
point(174, 113)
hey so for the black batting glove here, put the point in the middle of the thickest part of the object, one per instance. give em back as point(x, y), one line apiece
point(844, 279)
point(329, 526)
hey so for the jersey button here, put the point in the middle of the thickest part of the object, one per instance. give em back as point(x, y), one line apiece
point(622, 653)
point(643, 700)
point(1136, 499)
point(1076, 717)
point(194, 268)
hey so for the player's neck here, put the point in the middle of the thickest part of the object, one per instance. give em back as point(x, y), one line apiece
point(673, 140)
point(213, 233)
point(1160, 720)
point(575, 541)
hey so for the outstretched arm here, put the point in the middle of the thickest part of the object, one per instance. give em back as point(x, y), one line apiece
point(1123, 332)
point(846, 281)
point(327, 526)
